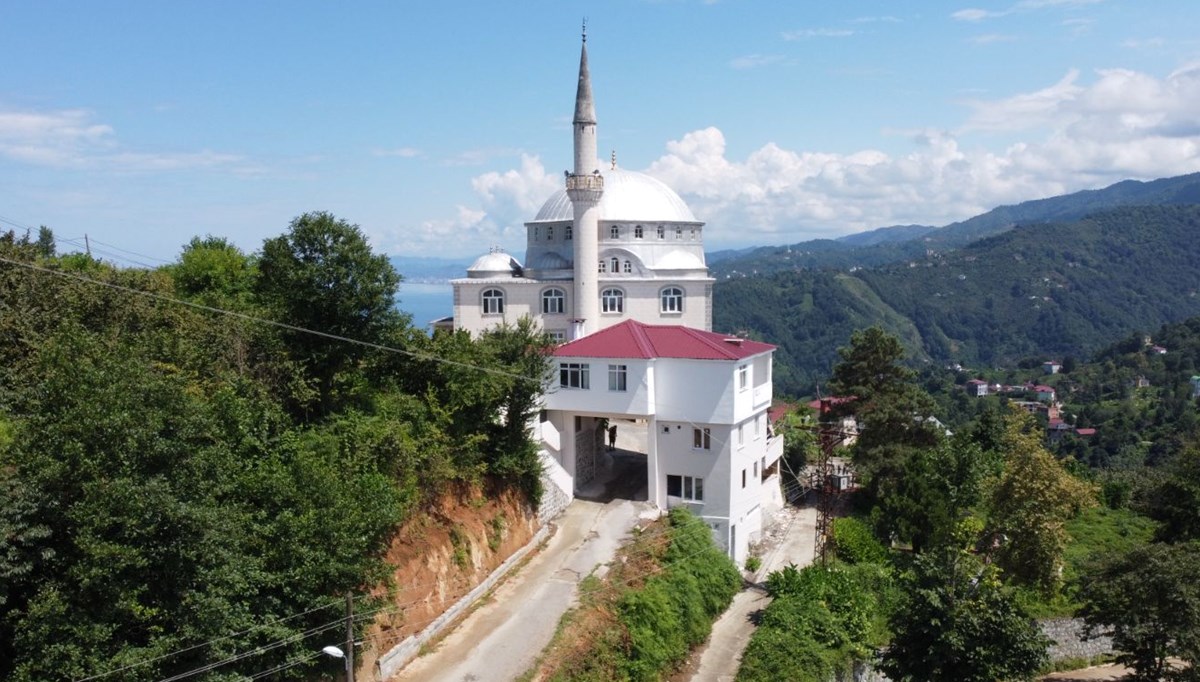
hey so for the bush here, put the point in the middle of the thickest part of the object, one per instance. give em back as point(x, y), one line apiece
point(753, 563)
point(854, 542)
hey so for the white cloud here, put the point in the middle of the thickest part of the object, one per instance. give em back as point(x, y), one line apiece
point(752, 61)
point(974, 14)
point(805, 33)
point(398, 152)
point(990, 38)
point(886, 19)
point(1143, 43)
point(71, 139)
point(1078, 133)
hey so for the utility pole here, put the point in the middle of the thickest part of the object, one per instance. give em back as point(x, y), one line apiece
point(349, 637)
point(87, 245)
point(830, 435)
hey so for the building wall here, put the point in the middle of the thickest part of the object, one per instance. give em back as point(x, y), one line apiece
point(635, 400)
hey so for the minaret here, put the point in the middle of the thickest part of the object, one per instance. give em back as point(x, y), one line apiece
point(585, 187)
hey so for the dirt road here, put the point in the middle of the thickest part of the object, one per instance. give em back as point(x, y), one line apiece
point(501, 639)
point(793, 535)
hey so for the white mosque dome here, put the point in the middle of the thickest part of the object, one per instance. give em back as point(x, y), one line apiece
point(494, 264)
point(629, 196)
point(551, 261)
point(679, 260)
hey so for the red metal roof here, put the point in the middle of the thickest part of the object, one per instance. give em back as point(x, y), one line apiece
point(632, 339)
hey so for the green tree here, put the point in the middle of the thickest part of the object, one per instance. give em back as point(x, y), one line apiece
point(1175, 501)
point(321, 275)
point(958, 623)
point(45, 242)
point(1030, 504)
point(890, 408)
point(214, 272)
point(1149, 601)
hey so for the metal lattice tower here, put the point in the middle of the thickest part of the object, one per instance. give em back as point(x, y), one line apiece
point(827, 485)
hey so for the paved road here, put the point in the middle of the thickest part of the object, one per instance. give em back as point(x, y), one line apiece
point(501, 639)
point(794, 539)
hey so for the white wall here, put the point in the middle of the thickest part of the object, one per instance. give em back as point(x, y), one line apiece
point(635, 400)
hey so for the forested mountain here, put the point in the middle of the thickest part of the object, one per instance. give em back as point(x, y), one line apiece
point(1044, 289)
point(899, 243)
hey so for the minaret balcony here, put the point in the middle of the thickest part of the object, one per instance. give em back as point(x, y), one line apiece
point(592, 183)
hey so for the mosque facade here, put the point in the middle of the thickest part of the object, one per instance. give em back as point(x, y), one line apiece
point(614, 270)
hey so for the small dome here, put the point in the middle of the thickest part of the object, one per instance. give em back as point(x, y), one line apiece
point(494, 264)
point(679, 260)
point(551, 261)
point(628, 197)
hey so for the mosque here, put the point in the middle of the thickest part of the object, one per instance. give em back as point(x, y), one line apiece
point(614, 270)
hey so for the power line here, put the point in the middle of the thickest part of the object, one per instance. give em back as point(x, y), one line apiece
point(251, 318)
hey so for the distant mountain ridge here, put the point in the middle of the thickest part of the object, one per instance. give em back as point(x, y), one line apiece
point(900, 243)
point(1039, 290)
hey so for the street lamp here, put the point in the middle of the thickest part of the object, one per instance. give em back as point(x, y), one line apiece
point(348, 653)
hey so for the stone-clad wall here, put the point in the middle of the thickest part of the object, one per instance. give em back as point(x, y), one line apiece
point(1067, 634)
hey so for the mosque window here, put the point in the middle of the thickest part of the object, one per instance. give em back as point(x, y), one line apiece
point(614, 232)
point(693, 233)
point(493, 302)
point(550, 233)
point(537, 233)
point(672, 300)
point(662, 232)
point(679, 233)
point(612, 301)
point(628, 267)
point(637, 232)
point(553, 301)
point(603, 266)
point(616, 265)
point(568, 234)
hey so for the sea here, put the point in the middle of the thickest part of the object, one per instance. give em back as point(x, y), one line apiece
point(425, 301)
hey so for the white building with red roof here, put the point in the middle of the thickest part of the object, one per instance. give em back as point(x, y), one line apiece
point(703, 398)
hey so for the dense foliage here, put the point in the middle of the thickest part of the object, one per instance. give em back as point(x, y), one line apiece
point(657, 604)
point(1045, 289)
point(181, 487)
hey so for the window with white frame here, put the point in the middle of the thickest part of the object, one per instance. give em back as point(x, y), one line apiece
point(616, 265)
point(612, 301)
point(614, 232)
point(743, 377)
point(549, 232)
point(693, 233)
point(568, 232)
point(685, 487)
point(617, 376)
point(493, 302)
point(574, 375)
point(701, 439)
point(603, 266)
point(662, 232)
point(679, 233)
point(628, 267)
point(671, 300)
point(554, 301)
point(637, 232)
point(557, 335)
point(537, 233)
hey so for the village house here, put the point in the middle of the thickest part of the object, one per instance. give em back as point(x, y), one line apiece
point(977, 388)
point(1051, 367)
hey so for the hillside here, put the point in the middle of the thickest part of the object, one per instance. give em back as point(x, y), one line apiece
point(900, 243)
point(1045, 289)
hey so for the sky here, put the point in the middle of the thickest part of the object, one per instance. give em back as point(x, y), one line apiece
point(440, 127)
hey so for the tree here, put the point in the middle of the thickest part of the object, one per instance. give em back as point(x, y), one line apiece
point(958, 623)
point(890, 408)
point(45, 242)
point(1175, 501)
point(1030, 504)
point(322, 276)
point(215, 272)
point(928, 497)
point(1149, 601)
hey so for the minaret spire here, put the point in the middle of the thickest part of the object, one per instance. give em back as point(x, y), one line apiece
point(585, 187)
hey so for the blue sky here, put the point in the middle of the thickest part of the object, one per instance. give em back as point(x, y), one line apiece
point(440, 127)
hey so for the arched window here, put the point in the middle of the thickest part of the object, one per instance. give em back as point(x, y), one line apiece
point(671, 299)
point(614, 232)
point(679, 233)
point(550, 232)
point(637, 232)
point(616, 264)
point(568, 234)
point(603, 266)
point(612, 301)
point(662, 232)
point(493, 302)
point(628, 267)
point(554, 301)
point(537, 233)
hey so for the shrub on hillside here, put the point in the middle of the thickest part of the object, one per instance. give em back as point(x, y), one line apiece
point(854, 543)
